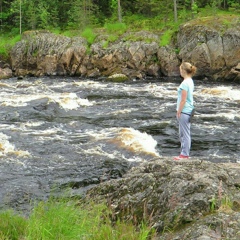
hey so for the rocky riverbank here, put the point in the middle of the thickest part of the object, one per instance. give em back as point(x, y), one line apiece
point(190, 199)
point(213, 48)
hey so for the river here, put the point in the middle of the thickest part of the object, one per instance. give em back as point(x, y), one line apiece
point(68, 134)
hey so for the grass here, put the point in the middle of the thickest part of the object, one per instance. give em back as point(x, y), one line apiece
point(6, 43)
point(12, 226)
point(89, 34)
point(166, 38)
point(69, 220)
point(116, 28)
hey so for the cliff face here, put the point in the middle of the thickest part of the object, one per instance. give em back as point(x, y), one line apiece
point(215, 52)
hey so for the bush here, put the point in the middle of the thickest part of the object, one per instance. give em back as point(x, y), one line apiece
point(6, 44)
point(89, 35)
point(166, 38)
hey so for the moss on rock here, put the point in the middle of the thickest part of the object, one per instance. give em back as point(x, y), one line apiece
point(117, 78)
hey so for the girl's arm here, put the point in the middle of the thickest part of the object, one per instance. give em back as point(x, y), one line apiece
point(182, 103)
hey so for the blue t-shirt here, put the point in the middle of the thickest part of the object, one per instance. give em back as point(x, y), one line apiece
point(188, 86)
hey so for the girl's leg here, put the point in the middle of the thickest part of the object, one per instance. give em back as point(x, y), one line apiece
point(185, 134)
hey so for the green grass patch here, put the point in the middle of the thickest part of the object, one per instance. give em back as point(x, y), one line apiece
point(136, 38)
point(89, 34)
point(12, 226)
point(115, 28)
point(220, 22)
point(71, 33)
point(166, 38)
point(6, 44)
point(69, 220)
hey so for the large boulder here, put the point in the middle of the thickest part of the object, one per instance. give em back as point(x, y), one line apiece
point(215, 51)
point(5, 73)
point(43, 53)
point(134, 59)
point(189, 199)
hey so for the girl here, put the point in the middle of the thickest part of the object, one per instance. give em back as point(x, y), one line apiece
point(185, 108)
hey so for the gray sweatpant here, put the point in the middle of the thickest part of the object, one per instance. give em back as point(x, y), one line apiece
point(185, 134)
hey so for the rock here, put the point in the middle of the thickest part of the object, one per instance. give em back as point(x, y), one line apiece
point(20, 77)
point(153, 70)
point(213, 52)
point(43, 53)
point(180, 199)
point(231, 47)
point(5, 73)
point(117, 78)
point(169, 62)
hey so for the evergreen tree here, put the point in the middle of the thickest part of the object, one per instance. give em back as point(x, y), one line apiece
point(81, 14)
point(21, 15)
point(31, 15)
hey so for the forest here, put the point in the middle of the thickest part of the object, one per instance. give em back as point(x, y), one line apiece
point(17, 16)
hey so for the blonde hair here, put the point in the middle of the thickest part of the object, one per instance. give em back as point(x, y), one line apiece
point(188, 68)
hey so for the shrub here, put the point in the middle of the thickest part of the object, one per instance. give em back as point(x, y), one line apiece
point(6, 44)
point(89, 35)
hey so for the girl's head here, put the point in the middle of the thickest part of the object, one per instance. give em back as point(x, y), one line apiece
point(187, 68)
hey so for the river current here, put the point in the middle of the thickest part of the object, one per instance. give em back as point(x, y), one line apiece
point(59, 133)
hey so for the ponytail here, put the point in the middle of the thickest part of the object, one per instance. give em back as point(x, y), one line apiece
point(188, 68)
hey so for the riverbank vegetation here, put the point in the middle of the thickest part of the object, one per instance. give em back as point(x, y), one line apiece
point(69, 220)
point(17, 16)
point(90, 18)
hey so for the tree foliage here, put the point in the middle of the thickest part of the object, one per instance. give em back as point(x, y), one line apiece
point(77, 14)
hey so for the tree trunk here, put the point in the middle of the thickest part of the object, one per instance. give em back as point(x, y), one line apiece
point(175, 10)
point(1, 21)
point(119, 11)
point(192, 4)
point(20, 17)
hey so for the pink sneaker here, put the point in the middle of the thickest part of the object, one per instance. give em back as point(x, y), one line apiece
point(180, 157)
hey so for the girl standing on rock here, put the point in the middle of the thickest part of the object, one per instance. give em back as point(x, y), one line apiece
point(185, 108)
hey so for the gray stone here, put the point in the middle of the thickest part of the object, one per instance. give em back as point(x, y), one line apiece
point(189, 199)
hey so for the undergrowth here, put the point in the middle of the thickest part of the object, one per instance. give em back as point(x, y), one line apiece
point(69, 220)
point(6, 44)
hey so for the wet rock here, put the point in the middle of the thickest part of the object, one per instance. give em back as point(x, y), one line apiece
point(5, 73)
point(117, 78)
point(190, 199)
point(235, 73)
point(154, 70)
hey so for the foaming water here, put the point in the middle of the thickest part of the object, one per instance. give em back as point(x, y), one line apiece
point(65, 132)
point(6, 148)
point(137, 118)
point(228, 93)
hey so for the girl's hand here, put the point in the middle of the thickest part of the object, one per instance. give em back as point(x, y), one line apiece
point(178, 115)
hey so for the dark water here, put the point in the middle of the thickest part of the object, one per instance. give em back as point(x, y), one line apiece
point(64, 133)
